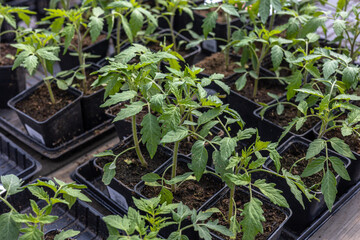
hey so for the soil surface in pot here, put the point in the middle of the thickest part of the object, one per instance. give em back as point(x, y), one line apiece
point(38, 105)
point(191, 193)
point(7, 50)
point(289, 113)
point(274, 217)
point(128, 168)
point(155, 46)
point(265, 86)
point(295, 152)
point(215, 63)
point(86, 42)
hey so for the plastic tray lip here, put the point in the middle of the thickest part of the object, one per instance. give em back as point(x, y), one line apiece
point(32, 169)
point(56, 152)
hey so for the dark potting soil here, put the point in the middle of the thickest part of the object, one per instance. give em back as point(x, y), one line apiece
point(273, 217)
point(215, 63)
point(221, 15)
point(265, 86)
point(128, 167)
point(293, 154)
point(191, 193)
point(290, 112)
point(7, 50)
point(86, 42)
point(155, 46)
point(353, 140)
point(38, 105)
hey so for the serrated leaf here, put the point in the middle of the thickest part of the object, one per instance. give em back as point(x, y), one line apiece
point(264, 10)
point(253, 218)
point(175, 135)
point(151, 133)
point(30, 63)
point(310, 91)
point(119, 97)
point(341, 147)
point(241, 82)
point(8, 227)
point(48, 55)
point(209, 23)
point(314, 166)
point(130, 110)
point(339, 167)
point(339, 26)
point(230, 9)
point(11, 183)
point(293, 188)
point(269, 190)
point(328, 189)
point(315, 148)
point(66, 234)
point(329, 68)
point(277, 56)
point(349, 76)
point(227, 147)
point(237, 179)
point(199, 158)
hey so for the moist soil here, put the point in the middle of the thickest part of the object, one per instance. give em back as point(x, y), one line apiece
point(155, 46)
point(293, 154)
point(191, 193)
point(290, 112)
point(265, 86)
point(215, 64)
point(128, 167)
point(38, 105)
point(86, 42)
point(221, 15)
point(6, 49)
point(274, 217)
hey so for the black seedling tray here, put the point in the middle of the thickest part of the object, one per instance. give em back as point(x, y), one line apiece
point(14, 160)
point(88, 175)
point(10, 122)
point(81, 217)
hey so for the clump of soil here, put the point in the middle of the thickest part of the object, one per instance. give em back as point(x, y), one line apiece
point(128, 167)
point(273, 216)
point(290, 112)
point(6, 49)
point(293, 154)
point(215, 63)
point(265, 86)
point(38, 105)
point(191, 193)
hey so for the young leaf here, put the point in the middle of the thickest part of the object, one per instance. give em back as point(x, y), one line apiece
point(151, 133)
point(230, 9)
point(269, 190)
point(209, 23)
point(341, 147)
point(339, 167)
point(329, 68)
point(315, 148)
point(316, 165)
point(8, 227)
point(277, 56)
point(227, 147)
point(175, 135)
point(253, 216)
point(328, 189)
point(11, 183)
point(264, 10)
point(66, 234)
point(199, 159)
point(130, 110)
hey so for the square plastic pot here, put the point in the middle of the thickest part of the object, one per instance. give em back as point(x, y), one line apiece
point(302, 218)
point(11, 83)
point(62, 126)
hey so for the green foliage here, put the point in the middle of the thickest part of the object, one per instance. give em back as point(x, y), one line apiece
point(32, 224)
point(7, 14)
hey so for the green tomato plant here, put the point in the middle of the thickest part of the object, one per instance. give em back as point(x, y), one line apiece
point(134, 224)
point(137, 12)
point(32, 224)
point(70, 24)
point(34, 47)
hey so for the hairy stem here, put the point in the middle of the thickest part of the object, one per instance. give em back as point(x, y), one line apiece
point(47, 82)
point(174, 165)
point(136, 142)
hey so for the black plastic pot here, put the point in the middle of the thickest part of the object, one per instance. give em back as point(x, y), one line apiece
point(123, 127)
point(80, 217)
point(14, 160)
point(220, 31)
point(244, 190)
point(62, 126)
point(99, 48)
point(309, 134)
point(302, 218)
point(118, 190)
point(189, 58)
point(92, 113)
point(353, 169)
point(11, 83)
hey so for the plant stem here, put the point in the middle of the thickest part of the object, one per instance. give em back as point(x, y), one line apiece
point(136, 142)
point(231, 204)
point(227, 50)
point(81, 60)
point(47, 82)
point(174, 165)
point(172, 30)
point(8, 204)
